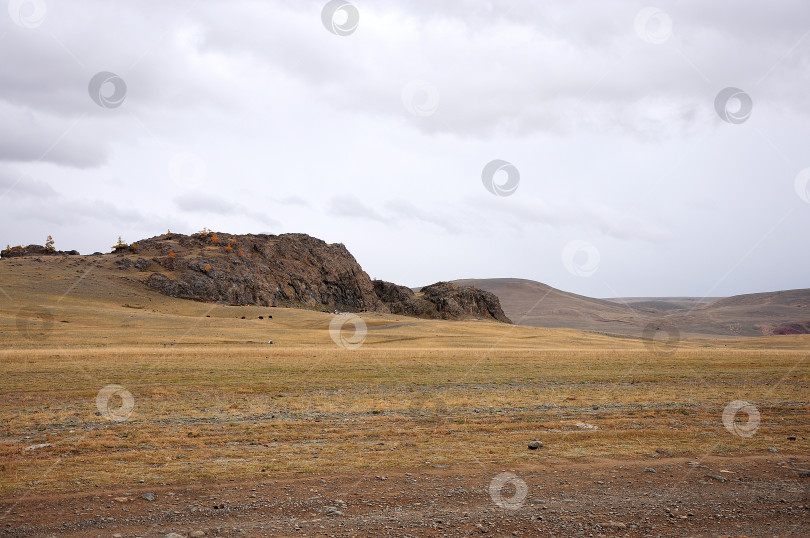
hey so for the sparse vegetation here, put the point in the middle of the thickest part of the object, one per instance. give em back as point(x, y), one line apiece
point(213, 403)
point(120, 245)
point(49, 244)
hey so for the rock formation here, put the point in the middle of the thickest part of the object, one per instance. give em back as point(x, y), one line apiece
point(442, 300)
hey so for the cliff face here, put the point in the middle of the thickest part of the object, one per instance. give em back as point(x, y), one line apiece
point(268, 270)
point(442, 300)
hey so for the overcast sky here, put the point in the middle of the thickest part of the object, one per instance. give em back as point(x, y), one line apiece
point(623, 168)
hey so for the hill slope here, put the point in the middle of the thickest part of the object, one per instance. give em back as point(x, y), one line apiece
point(532, 303)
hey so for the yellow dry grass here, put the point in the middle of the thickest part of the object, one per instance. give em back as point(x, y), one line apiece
point(213, 400)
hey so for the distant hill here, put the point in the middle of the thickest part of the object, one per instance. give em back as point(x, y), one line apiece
point(527, 302)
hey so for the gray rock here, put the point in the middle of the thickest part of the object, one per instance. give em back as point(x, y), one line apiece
point(332, 511)
point(534, 445)
point(148, 496)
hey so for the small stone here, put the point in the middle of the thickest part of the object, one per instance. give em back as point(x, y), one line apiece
point(772, 449)
point(197, 534)
point(148, 496)
point(332, 511)
point(649, 470)
point(174, 535)
point(120, 499)
point(614, 525)
point(791, 438)
point(534, 445)
point(45, 445)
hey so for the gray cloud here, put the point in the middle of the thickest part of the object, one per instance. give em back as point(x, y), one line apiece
point(218, 205)
point(352, 207)
point(14, 183)
point(617, 139)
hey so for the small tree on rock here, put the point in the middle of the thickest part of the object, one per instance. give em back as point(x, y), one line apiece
point(120, 245)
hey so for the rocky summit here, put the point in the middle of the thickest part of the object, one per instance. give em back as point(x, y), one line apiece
point(268, 270)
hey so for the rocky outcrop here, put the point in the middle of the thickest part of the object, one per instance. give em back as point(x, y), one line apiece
point(395, 297)
point(268, 270)
point(443, 300)
point(34, 250)
point(293, 270)
point(792, 328)
point(453, 301)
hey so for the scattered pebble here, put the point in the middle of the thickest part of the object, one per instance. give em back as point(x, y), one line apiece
point(36, 447)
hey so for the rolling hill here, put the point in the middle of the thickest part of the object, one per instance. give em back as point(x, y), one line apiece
point(527, 302)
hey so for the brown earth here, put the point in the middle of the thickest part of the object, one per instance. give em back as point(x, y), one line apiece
point(435, 409)
point(662, 496)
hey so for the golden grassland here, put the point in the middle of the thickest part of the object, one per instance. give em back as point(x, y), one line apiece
point(213, 400)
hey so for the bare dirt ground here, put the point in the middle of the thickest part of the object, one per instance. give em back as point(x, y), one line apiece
point(713, 496)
